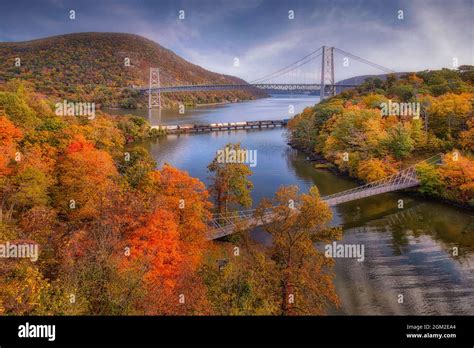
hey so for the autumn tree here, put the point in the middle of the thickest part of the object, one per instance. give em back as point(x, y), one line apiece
point(85, 176)
point(186, 197)
point(135, 165)
point(241, 280)
point(168, 276)
point(230, 183)
point(374, 169)
point(18, 111)
point(304, 276)
point(457, 175)
point(306, 126)
point(430, 179)
point(399, 142)
point(449, 113)
point(94, 253)
point(30, 189)
point(42, 225)
point(357, 130)
point(467, 136)
point(133, 127)
point(24, 290)
point(9, 137)
point(102, 131)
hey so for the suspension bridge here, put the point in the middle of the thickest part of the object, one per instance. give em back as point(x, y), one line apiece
point(224, 224)
point(289, 78)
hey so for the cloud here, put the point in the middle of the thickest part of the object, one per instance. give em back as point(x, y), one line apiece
point(259, 33)
point(428, 37)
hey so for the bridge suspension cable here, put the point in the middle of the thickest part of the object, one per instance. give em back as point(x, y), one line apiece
point(362, 60)
point(269, 76)
point(285, 72)
point(264, 82)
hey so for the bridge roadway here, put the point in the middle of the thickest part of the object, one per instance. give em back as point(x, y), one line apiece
point(222, 231)
point(226, 224)
point(302, 87)
point(182, 128)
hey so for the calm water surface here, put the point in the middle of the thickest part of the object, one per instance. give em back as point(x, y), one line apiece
point(407, 251)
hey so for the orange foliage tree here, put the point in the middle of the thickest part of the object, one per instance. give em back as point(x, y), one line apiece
point(85, 177)
point(185, 197)
point(457, 174)
point(467, 136)
point(168, 276)
point(9, 136)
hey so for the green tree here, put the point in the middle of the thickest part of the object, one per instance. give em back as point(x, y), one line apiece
point(403, 92)
point(466, 73)
point(230, 183)
point(430, 179)
point(18, 110)
point(399, 142)
point(136, 164)
point(30, 189)
point(134, 127)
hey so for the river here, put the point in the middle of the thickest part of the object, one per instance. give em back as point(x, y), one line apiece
point(408, 251)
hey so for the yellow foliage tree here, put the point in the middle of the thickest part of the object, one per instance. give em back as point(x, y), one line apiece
point(375, 169)
point(457, 174)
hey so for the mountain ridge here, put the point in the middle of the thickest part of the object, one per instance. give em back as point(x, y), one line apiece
point(90, 66)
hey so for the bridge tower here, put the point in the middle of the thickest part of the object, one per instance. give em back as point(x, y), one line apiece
point(154, 97)
point(327, 72)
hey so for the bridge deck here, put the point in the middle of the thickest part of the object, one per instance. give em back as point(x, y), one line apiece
point(301, 87)
point(231, 228)
point(223, 225)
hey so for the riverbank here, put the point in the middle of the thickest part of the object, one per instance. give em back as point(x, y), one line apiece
point(219, 103)
point(323, 163)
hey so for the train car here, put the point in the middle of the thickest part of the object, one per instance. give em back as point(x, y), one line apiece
point(170, 127)
point(186, 126)
point(240, 123)
point(213, 125)
point(265, 122)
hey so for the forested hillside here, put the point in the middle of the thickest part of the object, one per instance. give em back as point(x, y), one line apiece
point(114, 235)
point(353, 130)
point(93, 67)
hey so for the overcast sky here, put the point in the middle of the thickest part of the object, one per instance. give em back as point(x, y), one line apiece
point(261, 35)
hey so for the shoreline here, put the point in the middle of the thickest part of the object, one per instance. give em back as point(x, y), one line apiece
point(218, 103)
point(314, 157)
